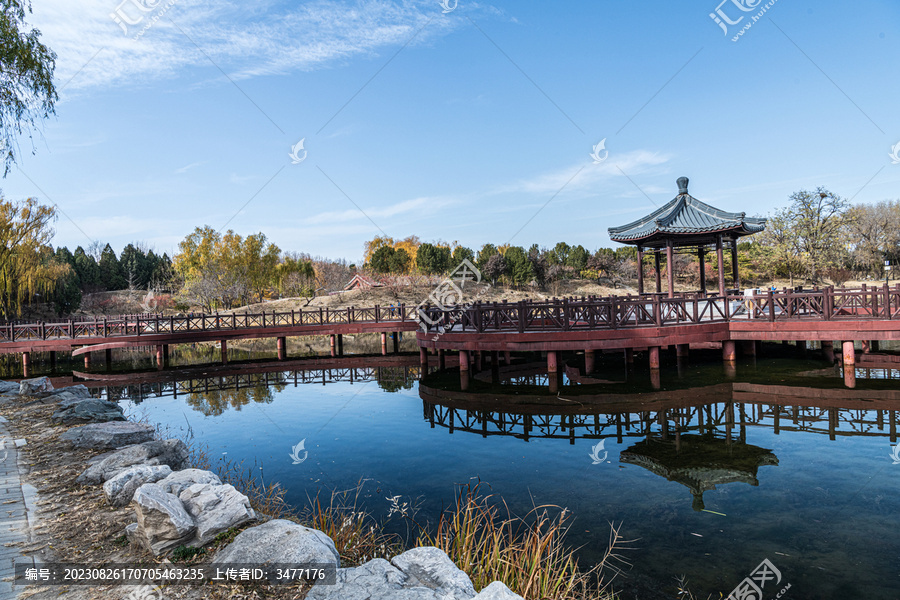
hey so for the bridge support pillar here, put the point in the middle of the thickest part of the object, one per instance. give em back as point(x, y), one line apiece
point(26, 360)
point(224, 344)
point(495, 367)
point(507, 358)
point(654, 358)
point(588, 362)
point(384, 343)
point(442, 363)
point(159, 357)
point(281, 344)
point(629, 356)
point(87, 361)
point(464, 360)
point(655, 379)
point(682, 350)
point(828, 351)
point(748, 347)
point(395, 338)
point(463, 385)
point(849, 356)
point(729, 353)
point(423, 360)
point(333, 350)
point(340, 342)
point(552, 366)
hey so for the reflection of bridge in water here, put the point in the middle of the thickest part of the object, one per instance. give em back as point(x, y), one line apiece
point(726, 410)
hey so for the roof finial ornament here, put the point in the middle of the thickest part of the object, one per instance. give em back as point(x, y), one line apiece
point(682, 185)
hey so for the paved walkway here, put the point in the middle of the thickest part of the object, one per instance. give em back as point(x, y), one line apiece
point(13, 510)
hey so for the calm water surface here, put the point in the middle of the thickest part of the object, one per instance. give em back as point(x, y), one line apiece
point(712, 474)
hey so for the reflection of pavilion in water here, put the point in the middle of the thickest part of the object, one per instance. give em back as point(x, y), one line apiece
point(700, 462)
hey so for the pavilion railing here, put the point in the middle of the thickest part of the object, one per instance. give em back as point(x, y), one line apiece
point(655, 310)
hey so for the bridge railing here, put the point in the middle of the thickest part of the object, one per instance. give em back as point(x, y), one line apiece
point(617, 312)
point(150, 324)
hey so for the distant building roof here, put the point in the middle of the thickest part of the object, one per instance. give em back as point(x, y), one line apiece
point(361, 282)
point(687, 222)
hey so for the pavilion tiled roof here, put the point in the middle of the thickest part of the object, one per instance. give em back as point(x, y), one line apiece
point(685, 216)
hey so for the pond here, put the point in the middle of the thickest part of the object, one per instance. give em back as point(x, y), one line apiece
point(711, 474)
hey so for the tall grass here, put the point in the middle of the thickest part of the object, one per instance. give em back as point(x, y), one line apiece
point(527, 553)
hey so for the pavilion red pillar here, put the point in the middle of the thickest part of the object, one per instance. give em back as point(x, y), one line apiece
point(701, 254)
point(734, 265)
point(721, 259)
point(670, 270)
point(658, 276)
point(640, 270)
point(281, 346)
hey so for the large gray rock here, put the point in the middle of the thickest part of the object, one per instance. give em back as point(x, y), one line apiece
point(173, 453)
point(215, 508)
point(497, 591)
point(162, 521)
point(72, 391)
point(32, 387)
point(90, 410)
point(120, 489)
point(280, 541)
point(425, 573)
point(9, 386)
point(178, 481)
point(114, 434)
point(380, 580)
point(432, 568)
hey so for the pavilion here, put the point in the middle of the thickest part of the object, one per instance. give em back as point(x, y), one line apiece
point(685, 222)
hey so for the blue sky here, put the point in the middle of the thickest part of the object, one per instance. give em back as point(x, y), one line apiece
point(475, 125)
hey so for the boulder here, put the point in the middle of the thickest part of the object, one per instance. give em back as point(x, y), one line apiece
point(497, 591)
point(90, 410)
point(178, 481)
point(280, 541)
point(32, 387)
point(173, 453)
point(114, 434)
point(432, 568)
point(131, 533)
point(215, 508)
point(162, 521)
point(380, 580)
point(9, 386)
point(74, 391)
point(425, 573)
point(120, 489)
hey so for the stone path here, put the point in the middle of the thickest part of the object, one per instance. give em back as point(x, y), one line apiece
point(13, 510)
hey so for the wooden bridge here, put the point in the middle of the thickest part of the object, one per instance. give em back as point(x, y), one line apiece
point(585, 325)
point(135, 331)
point(655, 321)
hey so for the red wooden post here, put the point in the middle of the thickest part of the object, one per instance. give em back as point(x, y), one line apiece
point(383, 343)
point(729, 353)
point(670, 272)
point(224, 344)
point(463, 360)
point(281, 345)
point(332, 345)
point(654, 357)
point(588, 362)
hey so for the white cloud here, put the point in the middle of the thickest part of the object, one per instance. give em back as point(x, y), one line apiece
point(187, 168)
point(245, 39)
